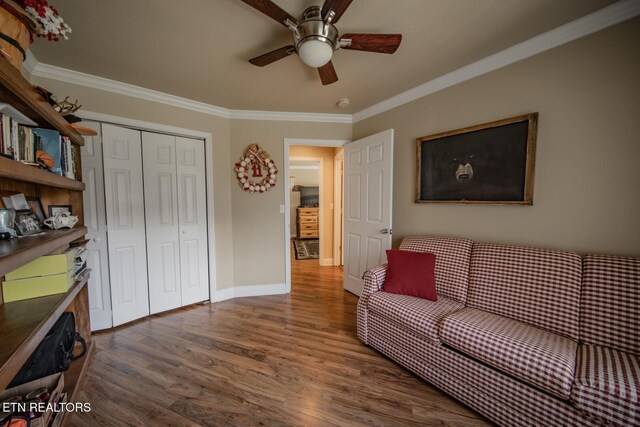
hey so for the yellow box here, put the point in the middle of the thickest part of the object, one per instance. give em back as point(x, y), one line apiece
point(33, 287)
point(45, 265)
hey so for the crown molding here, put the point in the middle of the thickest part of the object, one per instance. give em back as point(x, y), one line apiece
point(29, 64)
point(75, 77)
point(290, 116)
point(83, 79)
point(596, 21)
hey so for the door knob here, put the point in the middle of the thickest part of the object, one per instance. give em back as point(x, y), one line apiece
point(184, 231)
point(386, 231)
point(97, 239)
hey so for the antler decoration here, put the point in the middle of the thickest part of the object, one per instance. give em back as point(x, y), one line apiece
point(65, 107)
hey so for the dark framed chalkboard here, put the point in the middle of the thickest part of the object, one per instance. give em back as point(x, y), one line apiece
point(491, 163)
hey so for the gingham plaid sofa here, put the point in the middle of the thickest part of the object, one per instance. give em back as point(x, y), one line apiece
point(525, 336)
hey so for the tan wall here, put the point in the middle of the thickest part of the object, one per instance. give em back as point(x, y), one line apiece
point(587, 192)
point(249, 229)
point(326, 203)
point(258, 225)
point(123, 106)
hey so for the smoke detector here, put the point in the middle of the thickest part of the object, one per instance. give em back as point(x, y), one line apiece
point(343, 103)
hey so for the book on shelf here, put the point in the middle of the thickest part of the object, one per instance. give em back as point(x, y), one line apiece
point(68, 158)
point(14, 139)
point(7, 147)
point(20, 143)
point(50, 142)
point(10, 121)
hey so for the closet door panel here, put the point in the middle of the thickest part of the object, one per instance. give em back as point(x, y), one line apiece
point(96, 255)
point(122, 154)
point(161, 214)
point(194, 266)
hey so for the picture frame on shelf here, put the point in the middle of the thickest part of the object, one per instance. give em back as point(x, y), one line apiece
point(36, 207)
point(54, 209)
point(27, 223)
point(490, 163)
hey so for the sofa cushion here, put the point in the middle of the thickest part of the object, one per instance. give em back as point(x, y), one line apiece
point(419, 315)
point(609, 314)
point(607, 384)
point(411, 273)
point(452, 262)
point(538, 357)
point(537, 286)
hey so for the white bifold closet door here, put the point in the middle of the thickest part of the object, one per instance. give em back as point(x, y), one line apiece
point(192, 213)
point(122, 154)
point(161, 207)
point(176, 221)
point(95, 220)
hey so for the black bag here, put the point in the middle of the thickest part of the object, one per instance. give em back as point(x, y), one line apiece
point(55, 352)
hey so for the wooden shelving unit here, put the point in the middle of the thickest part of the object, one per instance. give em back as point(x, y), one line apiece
point(11, 169)
point(23, 324)
point(74, 377)
point(17, 252)
point(23, 96)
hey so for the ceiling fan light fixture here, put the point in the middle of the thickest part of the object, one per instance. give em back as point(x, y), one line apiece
point(315, 38)
point(315, 41)
point(314, 52)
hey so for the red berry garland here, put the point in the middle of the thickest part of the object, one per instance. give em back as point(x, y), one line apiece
point(52, 25)
point(256, 163)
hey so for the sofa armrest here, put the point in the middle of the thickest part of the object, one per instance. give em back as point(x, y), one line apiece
point(374, 279)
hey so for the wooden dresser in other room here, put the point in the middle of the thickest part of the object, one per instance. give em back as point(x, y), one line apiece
point(307, 223)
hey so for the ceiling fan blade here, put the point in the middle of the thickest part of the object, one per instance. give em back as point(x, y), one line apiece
point(272, 10)
point(273, 56)
point(380, 43)
point(338, 7)
point(328, 74)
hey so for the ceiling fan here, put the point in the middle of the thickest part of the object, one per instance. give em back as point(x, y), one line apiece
point(316, 38)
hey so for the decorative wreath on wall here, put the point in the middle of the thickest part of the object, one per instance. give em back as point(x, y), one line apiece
point(256, 163)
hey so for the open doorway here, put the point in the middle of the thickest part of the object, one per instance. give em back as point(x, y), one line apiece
point(305, 228)
point(313, 219)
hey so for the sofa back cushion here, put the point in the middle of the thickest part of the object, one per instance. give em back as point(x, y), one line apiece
point(538, 286)
point(452, 262)
point(610, 306)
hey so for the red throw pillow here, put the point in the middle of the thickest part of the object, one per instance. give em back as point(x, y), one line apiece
point(411, 273)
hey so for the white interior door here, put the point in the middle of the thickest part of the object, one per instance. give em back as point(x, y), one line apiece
point(338, 224)
point(161, 215)
point(122, 149)
point(368, 175)
point(97, 254)
point(192, 213)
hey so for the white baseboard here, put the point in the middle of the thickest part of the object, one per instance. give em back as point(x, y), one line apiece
point(326, 261)
point(260, 290)
point(224, 294)
point(250, 291)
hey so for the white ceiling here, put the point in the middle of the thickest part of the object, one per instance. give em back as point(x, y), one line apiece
point(199, 49)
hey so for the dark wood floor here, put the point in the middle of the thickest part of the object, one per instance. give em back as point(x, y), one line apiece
point(276, 360)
